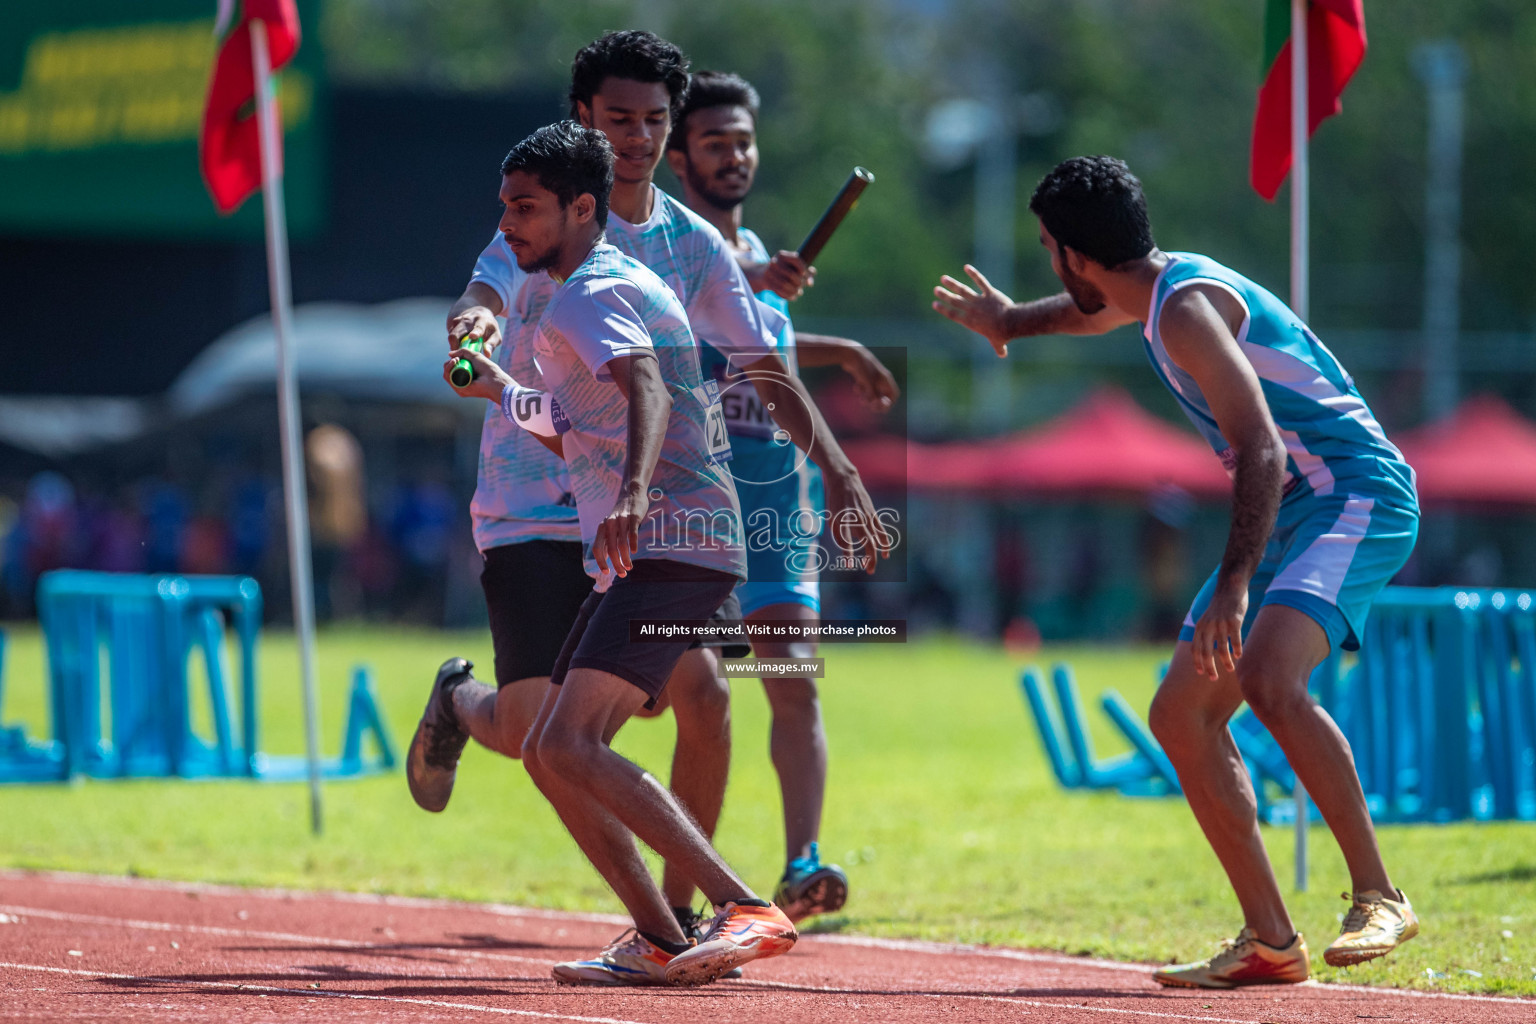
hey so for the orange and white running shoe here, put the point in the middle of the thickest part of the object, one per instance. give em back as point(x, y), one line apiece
point(738, 935)
point(1242, 961)
point(630, 959)
point(1374, 926)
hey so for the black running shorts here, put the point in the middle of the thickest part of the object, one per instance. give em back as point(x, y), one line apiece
point(533, 591)
point(656, 588)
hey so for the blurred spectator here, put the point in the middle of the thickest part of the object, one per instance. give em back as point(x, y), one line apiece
point(338, 516)
point(116, 537)
point(45, 536)
point(248, 526)
point(422, 530)
point(205, 546)
point(164, 506)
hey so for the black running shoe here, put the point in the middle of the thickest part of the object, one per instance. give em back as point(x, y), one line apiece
point(693, 923)
point(433, 759)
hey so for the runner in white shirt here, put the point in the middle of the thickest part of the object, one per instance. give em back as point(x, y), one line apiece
point(663, 535)
point(627, 85)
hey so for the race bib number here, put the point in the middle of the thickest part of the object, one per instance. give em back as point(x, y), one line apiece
point(717, 437)
point(745, 414)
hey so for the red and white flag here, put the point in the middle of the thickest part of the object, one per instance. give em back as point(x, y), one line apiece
point(230, 145)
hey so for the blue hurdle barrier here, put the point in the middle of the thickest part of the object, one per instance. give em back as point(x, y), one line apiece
point(23, 759)
point(1119, 711)
point(1063, 728)
point(1439, 708)
point(1052, 735)
point(363, 720)
point(149, 627)
point(1120, 770)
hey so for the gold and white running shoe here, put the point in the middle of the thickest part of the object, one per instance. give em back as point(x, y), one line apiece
point(1374, 926)
point(1242, 961)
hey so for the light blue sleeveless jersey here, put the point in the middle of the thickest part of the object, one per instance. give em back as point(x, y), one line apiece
point(1333, 443)
point(781, 490)
point(1349, 517)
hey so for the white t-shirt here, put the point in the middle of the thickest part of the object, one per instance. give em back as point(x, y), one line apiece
point(612, 306)
point(520, 483)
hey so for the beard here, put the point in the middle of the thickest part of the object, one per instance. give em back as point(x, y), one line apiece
point(711, 193)
point(534, 262)
point(1088, 299)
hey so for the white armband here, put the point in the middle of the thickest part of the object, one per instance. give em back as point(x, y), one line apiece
point(535, 411)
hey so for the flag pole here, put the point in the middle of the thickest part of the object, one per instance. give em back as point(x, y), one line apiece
point(294, 491)
point(1300, 200)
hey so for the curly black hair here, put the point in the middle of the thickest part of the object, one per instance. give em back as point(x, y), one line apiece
point(712, 89)
point(568, 160)
point(1094, 204)
point(634, 54)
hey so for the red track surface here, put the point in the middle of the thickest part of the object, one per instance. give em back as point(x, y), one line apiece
point(82, 948)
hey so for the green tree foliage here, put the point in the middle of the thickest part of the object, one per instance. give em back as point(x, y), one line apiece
point(1168, 84)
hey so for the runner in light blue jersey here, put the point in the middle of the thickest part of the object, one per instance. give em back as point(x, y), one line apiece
point(713, 152)
point(1324, 513)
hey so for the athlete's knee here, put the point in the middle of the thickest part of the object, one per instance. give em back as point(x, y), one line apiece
point(793, 700)
point(706, 705)
point(529, 753)
point(1181, 720)
point(1273, 695)
point(567, 752)
point(699, 693)
point(1170, 721)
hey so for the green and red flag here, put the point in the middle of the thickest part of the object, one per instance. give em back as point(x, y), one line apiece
point(230, 144)
point(1335, 48)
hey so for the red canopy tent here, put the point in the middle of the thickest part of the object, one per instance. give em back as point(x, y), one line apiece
point(1109, 443)
point(1482, 452)
point(1105, 444)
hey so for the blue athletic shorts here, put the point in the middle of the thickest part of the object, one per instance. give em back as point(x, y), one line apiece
point(1328, 557)
point(781, 501)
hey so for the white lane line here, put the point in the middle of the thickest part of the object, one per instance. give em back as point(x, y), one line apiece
point(507, 910)
point(953, 949)
point(316, 993)
point(833, 990)
point(294, 895)
point(1418, 993)
point(1108, 1009)
point(401, 949)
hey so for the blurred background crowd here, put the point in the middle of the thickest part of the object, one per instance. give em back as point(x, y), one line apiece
point(150, 443)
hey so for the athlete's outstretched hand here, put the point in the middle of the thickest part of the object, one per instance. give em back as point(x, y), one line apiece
point(474, 322)
point(856, 528)
point(1218, 642)
point(618, 536)
point(983, 309)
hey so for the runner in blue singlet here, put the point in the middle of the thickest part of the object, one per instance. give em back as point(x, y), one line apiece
point(713, 152)
point(1324, 513)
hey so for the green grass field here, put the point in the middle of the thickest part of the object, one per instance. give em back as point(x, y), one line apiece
point(941, 808)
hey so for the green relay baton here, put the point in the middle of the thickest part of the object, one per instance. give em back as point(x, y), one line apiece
point(462, 372)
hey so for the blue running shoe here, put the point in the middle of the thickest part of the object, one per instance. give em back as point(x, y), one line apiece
point(810, 887)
